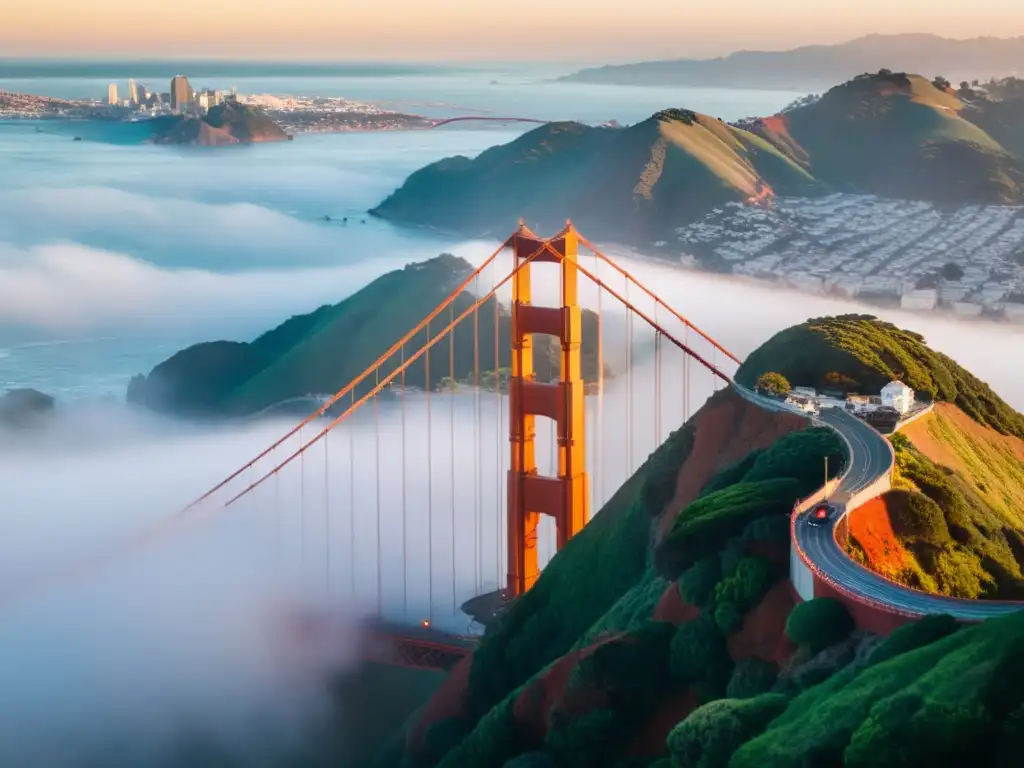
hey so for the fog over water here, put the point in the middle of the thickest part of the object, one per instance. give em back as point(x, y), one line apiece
point(114, 257)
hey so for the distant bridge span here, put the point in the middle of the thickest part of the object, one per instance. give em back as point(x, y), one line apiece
point(448, 120)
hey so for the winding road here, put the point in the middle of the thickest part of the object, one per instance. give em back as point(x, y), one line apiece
point(870, 459)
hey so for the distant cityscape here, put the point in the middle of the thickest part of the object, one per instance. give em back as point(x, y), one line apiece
point(180, 99)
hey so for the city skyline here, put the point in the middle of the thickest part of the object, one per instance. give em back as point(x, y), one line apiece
point(453, 30)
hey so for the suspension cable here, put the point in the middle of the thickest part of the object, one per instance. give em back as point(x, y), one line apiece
point(596, 251)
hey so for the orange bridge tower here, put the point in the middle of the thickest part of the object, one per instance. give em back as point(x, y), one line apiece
point(530, 495)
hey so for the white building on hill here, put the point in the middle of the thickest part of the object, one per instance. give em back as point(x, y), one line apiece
point(898, 395)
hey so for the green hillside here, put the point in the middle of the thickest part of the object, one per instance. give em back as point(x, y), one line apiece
point(887, 134)
point(897, 135)
point(227, 123)
point(612, 182)
point(665, 635)
point(860, 354)
point(320, 352)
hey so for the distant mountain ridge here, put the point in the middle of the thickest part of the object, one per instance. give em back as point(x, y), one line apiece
point(815, 66)
point(888, 134)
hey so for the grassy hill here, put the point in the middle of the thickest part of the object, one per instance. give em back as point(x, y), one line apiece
point(888, 134)
point(320, 352)
point(953, 524)
point(860, 354)
point(896, 135)
point(224, 124)
point(621, 183)
point(666, 635)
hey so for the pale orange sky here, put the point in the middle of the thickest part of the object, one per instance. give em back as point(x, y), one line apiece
point(592, 30)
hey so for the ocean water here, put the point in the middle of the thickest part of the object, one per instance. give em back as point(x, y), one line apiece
point(113, 257)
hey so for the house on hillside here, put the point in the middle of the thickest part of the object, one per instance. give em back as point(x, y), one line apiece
point(898, 396)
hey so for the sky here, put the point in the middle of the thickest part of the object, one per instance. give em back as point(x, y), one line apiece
point(450, 30)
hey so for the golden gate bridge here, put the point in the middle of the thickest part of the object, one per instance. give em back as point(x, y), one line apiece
point(401, 498)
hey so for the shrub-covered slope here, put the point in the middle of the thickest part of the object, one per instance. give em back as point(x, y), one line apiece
point(952, 530)
point(860, 354)
point(320, 352)
point(666, 634)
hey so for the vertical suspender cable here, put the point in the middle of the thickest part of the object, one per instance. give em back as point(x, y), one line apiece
point(600, 394)
point(629, 387)
point(327, 512)
point(376, 431)
point(451, 384)
point(405, 537)
point(497, 442)
point(302, 511)
point(352, 503)
point(477, 527)
point(430, 485)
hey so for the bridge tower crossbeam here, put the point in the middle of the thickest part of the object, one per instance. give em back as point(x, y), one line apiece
point(564, 498)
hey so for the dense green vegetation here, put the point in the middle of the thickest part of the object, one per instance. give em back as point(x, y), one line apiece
point(866, 353)
point(819, 623)
point(773, 384)
point(653, 639)
point(320, 352)
point(955, 701)
point(628, 664)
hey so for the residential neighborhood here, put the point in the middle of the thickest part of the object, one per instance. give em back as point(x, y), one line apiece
point(894, 252)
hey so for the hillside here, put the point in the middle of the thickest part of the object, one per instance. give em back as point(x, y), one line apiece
point(860, 354)
point(666, 635)
point(896, 135)
point(620, 183)
point(320, 352)
point(953, 524)
point(816, 66)
point(892, 135)
point(226, 124)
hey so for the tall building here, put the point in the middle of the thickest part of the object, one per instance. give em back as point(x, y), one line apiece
point(133, 94)
point(181, 93)
point(112, 94)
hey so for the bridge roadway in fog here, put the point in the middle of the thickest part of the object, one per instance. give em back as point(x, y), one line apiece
point(870, 459)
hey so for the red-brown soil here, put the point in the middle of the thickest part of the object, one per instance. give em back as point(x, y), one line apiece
point(726, 431)
point(763, 634)
point(651, 740)
point(871, 526)
point(447, 702)
point(548, 690)
point(672, 608)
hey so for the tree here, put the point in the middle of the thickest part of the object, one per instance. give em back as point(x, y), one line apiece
point(952, 271)
point(819, 623)
point(941, 83)
point(772, 384)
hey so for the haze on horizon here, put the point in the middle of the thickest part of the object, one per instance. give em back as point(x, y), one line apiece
point(572, 30)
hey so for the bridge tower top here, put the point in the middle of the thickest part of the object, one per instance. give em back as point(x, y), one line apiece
point(530, 495)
